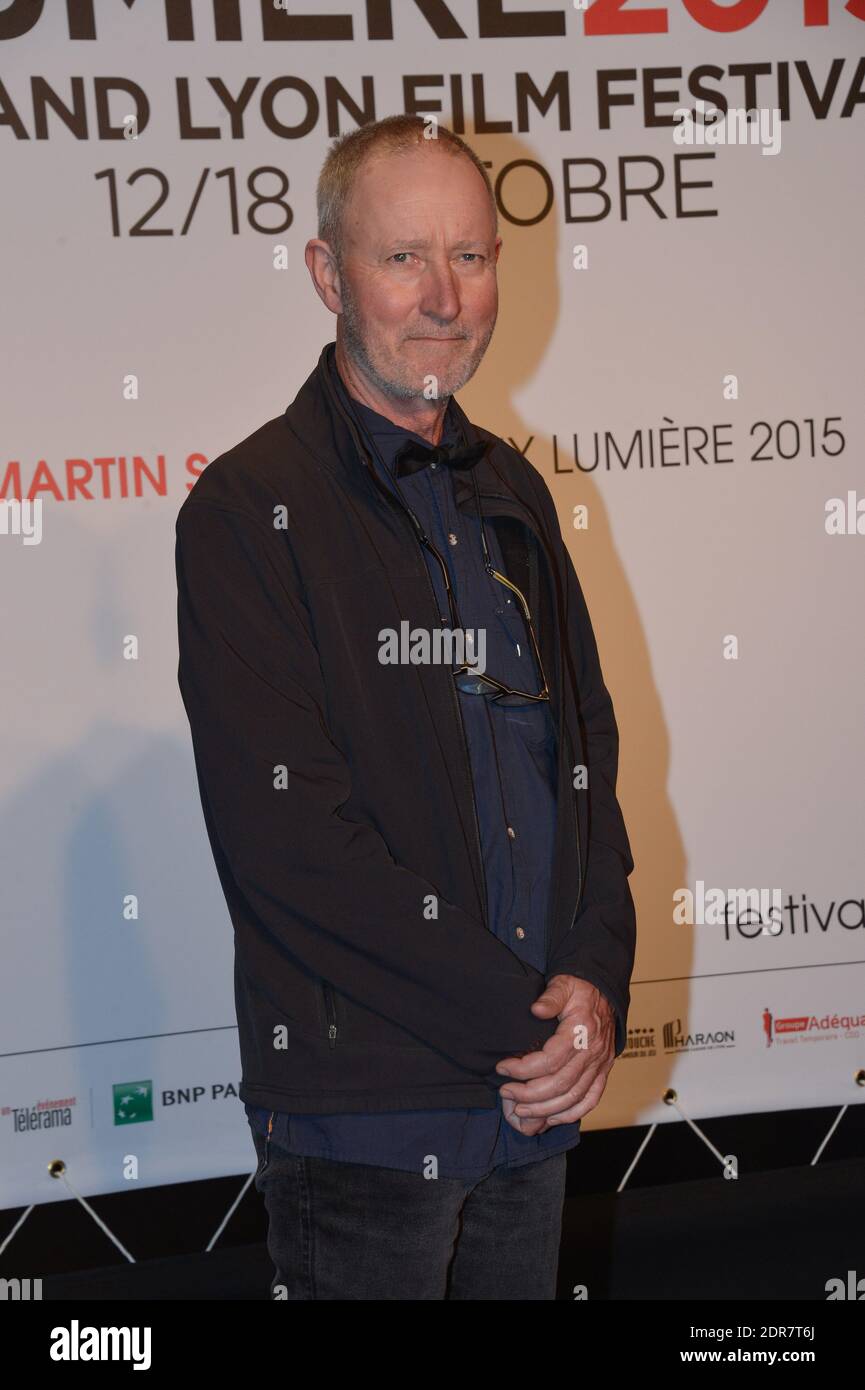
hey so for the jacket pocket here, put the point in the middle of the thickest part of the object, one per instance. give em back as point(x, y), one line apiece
point(330, 1013)
point(351, 1026)
point(531, 723)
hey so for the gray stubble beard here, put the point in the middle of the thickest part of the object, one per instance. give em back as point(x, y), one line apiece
point(355, 345)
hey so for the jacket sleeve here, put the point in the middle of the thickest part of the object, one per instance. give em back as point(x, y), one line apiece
point(321, 886)
point(601, 944)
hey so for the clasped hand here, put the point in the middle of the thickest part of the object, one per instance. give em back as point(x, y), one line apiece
point(566, 1079)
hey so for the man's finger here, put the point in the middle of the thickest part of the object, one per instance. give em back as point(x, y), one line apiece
point(522, 1126)
point(549, 1084)
point(550, 1058)
point(548, 1095)
point(565, 1109)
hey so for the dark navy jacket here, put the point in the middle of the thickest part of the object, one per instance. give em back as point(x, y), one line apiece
point(337, 791)
point(513, 759)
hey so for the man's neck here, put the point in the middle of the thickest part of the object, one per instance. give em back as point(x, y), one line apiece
point(424, 417)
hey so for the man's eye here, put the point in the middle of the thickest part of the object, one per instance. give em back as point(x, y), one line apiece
point(469, 257)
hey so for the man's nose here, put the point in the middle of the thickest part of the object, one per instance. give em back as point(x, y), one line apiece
point(440, 292)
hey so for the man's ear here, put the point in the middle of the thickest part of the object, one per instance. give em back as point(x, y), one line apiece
point(324, 273)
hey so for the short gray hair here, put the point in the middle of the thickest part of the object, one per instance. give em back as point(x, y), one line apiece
point(348, 153)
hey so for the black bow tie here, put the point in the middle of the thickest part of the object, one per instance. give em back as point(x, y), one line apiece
point(413, 455)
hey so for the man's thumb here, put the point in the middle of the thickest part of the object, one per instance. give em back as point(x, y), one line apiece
point(551, 1002)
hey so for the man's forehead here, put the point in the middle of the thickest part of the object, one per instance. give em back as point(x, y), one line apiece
point(418, 220)
point(413, 171)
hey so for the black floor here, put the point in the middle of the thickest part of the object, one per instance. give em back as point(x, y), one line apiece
point(776, 1236)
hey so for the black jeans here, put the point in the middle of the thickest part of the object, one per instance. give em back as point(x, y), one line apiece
point(354, 1231)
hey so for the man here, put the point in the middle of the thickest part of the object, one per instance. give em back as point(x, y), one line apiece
point(407, 760)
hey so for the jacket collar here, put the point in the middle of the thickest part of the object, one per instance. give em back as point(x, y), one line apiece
point(318, 417)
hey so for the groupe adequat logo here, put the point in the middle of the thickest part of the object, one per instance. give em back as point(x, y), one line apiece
point(797, 1028)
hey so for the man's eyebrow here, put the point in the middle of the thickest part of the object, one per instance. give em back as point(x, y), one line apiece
point(420, 243)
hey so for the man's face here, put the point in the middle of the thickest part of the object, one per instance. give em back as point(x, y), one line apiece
point(418, 273)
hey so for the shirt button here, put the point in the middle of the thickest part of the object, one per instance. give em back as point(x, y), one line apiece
point(433, 464)
point(512, 832)
point(452, 539)
point(520, 932)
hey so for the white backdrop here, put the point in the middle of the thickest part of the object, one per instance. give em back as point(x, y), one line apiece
point(729, 621)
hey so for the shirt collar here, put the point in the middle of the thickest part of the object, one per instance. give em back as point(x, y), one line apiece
point(387, 435)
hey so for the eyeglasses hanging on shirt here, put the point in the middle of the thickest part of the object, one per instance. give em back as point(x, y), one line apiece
point(411, 458)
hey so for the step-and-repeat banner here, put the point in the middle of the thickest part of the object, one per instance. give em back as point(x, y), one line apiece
point(678, 352)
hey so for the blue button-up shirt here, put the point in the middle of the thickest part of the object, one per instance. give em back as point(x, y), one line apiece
point(512, 753)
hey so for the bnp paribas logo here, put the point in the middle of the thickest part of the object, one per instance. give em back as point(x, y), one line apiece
point(133, 1102)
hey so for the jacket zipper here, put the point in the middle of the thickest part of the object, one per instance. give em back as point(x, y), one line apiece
point(330, 1009)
